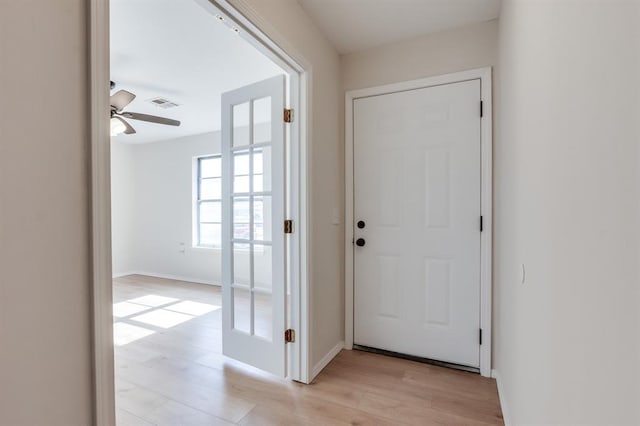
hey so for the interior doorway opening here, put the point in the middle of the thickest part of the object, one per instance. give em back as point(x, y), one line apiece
point(167, 205)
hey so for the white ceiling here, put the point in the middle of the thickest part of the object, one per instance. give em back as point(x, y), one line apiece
point(179, 51)
point(353, 25)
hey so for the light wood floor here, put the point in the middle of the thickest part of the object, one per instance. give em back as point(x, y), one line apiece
point(170, 371)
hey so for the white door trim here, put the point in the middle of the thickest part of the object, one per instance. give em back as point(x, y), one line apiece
point(269, 42)
point(486, 157)
point(102, 308)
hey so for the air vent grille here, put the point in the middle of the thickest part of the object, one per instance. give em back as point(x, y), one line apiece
point(163, 103)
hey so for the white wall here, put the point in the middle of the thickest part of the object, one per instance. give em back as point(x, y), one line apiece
point(45, 319)
point(122, 208)
point(286, 22)
point(468, 47)
point(152, 209)
point(566, 206)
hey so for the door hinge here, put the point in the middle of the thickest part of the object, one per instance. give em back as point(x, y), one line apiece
point(481, 224)
point(288, 226)
point(481, 108)
point(480, 337)
point(288, 115)
point(289, 336)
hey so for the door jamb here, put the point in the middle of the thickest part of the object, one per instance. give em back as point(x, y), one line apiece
point(486, 157)
point(259, 33)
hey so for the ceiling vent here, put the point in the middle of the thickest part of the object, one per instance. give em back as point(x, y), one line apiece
point(163, 103)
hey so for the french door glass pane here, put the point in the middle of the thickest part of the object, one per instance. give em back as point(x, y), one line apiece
point(257, 218)
point(262, 162)
point(241, 163)
point(241, 231)
point(240, 210)
point(240, 184)
point(242, 310)
point(241, 265)
point(263, 316)
point(241, 171)
point(257, 183)
point(262, 255)
point(257, 161)
point(262, 218)
point(241, 124)
point(241, 219)
point(262, 120)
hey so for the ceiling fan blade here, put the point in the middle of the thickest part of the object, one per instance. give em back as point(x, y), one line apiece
point(149, 118)
point(129, 130)
point(121, 99)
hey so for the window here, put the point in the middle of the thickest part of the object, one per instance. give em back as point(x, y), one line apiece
point(208, 204)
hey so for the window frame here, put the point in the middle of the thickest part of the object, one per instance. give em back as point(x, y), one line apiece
point(198, 201)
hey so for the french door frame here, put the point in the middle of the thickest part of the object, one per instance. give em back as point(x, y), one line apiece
point(260, 34)
point(486, 157)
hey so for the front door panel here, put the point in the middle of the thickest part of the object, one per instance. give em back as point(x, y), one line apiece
point(417, 190)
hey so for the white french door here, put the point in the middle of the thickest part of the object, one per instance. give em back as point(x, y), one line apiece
point(253, 209)
point(417, 181)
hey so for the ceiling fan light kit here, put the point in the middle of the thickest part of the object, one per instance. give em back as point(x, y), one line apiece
point(119, 125)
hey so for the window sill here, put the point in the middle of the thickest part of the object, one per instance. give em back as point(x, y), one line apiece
point(205, 248)
point(219, 249)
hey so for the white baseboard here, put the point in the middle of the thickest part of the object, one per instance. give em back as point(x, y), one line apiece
point(122, 274)
point(501, 394)
point(167, 276)
point(326, 360)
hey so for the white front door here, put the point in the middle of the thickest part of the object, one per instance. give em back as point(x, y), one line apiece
point(253, 208)
point(417, 222)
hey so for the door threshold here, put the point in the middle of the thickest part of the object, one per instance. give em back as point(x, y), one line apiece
point(417, 359)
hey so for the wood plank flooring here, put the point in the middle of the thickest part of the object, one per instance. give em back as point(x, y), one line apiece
point(170, 371)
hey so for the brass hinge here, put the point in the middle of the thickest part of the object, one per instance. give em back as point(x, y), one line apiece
point(289, 336)
point(288, 226)
point(288, 115)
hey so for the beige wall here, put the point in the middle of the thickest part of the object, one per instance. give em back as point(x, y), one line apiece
point(566, 341)
point(44, 204)
point(566, 205)
point(468, 47)
point(45, 350)
point(460, 49)
point(285, 20)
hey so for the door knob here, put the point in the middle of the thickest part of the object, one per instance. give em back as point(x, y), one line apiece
point(360, 242)
point(361, 224)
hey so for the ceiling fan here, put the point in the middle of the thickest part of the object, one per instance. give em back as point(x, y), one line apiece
point(119, 101)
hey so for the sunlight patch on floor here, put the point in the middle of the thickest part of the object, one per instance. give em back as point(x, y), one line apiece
point(192, 308)
point(155, 311)
point(162, 318)
point(125, 309)
point(153, 300)
point(124, 333)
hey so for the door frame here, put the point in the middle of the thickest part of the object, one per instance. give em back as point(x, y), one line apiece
point(486, 160)
point(263, 36)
